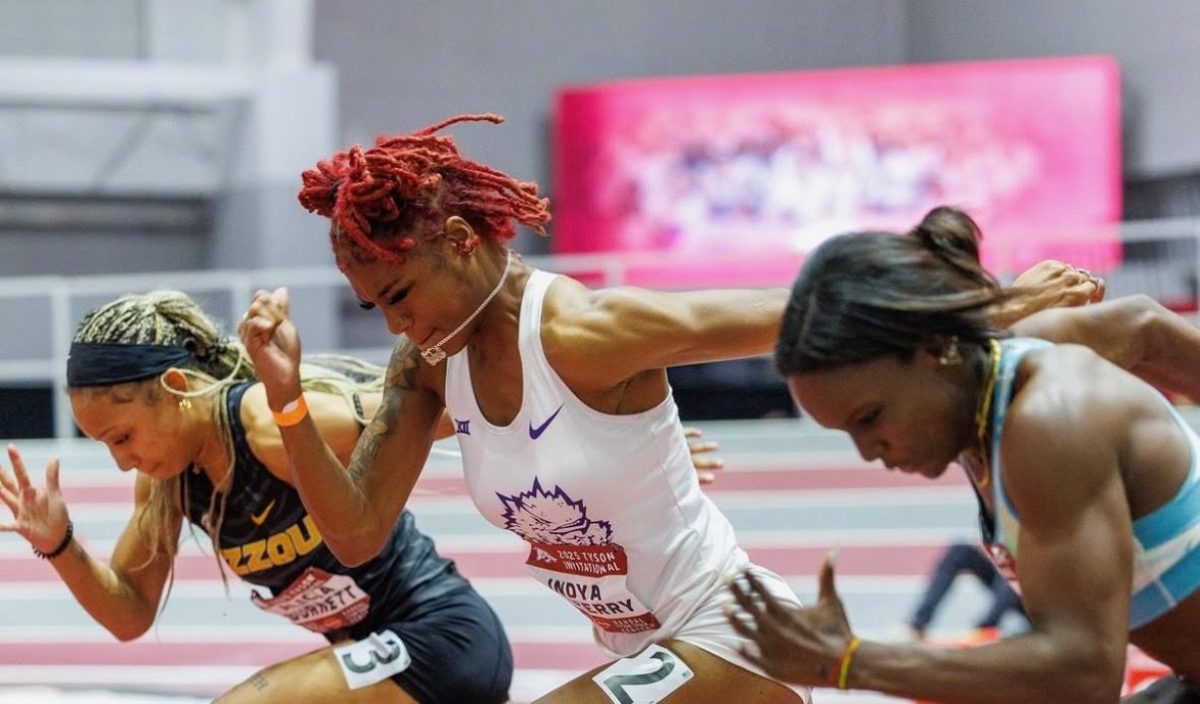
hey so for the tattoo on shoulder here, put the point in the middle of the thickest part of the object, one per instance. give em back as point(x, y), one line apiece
point(401, 378)
point(259, 681)
point(403, 366)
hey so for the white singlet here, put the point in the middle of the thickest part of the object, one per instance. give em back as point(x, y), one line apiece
point(609, 504)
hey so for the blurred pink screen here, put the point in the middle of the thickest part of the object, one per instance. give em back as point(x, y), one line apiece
point(734, 177)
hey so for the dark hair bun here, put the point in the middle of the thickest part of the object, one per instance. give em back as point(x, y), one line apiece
point(949, 232)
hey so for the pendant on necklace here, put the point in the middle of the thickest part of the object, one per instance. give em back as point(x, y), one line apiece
point(433, 355)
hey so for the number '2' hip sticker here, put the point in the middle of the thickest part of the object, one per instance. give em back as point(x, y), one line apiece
point(646, 678)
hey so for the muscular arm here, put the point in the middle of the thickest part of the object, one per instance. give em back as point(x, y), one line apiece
point(1075, 562)
point(371, 402)
point(120, 596)
point(356, 506)
point(624, 331)
point(1136, 333)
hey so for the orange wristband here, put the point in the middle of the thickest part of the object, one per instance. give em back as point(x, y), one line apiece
point(292, 413)
point(844, 665)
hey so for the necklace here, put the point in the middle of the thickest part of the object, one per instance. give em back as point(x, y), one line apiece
point(984, 410)
point(436, 354)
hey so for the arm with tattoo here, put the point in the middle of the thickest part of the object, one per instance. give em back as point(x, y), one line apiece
point(355, 510)
point(401, 379)
point(356, 507)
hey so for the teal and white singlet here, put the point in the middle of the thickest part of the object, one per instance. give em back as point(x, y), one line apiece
point(1166, 541)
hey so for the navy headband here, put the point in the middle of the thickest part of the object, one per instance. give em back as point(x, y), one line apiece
point(106, 363)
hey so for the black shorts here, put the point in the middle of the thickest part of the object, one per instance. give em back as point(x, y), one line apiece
point(1171, 689)
point(459, 651)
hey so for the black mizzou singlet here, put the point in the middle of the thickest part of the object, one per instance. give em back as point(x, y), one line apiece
point(268, 539)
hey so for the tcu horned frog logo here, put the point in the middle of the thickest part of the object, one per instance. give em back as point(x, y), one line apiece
point(540, 516)
point(574, 556)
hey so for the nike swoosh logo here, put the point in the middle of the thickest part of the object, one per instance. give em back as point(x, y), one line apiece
point(535, 433)
point(258, 519)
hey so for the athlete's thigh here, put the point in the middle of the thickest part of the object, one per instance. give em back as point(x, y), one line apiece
point(312, 678)
point(713, 681)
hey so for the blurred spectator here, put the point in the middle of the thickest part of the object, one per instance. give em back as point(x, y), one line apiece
point(957, 559)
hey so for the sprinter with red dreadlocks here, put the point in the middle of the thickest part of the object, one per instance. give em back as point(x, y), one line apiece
point(559, 396)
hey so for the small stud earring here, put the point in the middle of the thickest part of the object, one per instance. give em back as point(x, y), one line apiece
point(951, 354)
point(185, 404)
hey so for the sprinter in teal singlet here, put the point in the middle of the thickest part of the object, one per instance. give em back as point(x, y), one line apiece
point(1086, 477)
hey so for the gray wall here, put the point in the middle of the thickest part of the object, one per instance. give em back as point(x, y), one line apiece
point(75, 253)
point(177, 30)
point(1157, 43)
point(403, 65)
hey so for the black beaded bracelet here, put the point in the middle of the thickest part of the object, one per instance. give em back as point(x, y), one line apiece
point(62, 547)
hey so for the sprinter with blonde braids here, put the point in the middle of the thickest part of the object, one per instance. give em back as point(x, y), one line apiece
point(166, 318)
point(151, 378)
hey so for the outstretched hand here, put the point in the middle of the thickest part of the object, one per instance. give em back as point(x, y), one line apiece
point(273, 343)
point(1050, 284)
point(704, 463)
point(801, 645)
point(1062, 283)
point(39, 513)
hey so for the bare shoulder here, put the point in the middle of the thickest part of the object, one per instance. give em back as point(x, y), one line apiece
point(254, 412)
point(333, 414)
point(1074, 384)
point(572, 310)
point(1067, 390)
point(407, 371)
point(1066, 430)
point(412, 398)
point(262, 435)
point(597, 339)
point(605, 338)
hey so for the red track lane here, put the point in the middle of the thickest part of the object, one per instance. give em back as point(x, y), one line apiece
point(728, 481)
point(528, 655)
point(867, 560)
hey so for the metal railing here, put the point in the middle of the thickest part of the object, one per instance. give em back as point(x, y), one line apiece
point(62, 295)
point(234, 286)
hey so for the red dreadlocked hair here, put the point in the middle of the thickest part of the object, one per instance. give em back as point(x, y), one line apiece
point(413, 182)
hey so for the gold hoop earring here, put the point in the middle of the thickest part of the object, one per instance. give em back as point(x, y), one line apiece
point(951, 354)
point(185, 404)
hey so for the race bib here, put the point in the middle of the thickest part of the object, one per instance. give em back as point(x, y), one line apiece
point(573, 554)
point(592, 578)
point(319, 601)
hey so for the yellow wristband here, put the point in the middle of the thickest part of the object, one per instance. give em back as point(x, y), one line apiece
point(292, 413)
point(847, 657)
